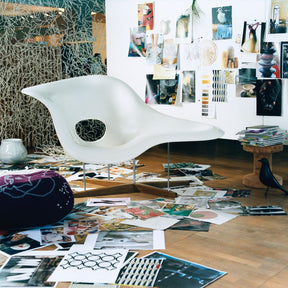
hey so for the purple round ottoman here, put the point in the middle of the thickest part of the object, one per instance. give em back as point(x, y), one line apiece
point(33, 199)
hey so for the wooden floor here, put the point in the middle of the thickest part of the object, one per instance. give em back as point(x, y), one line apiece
point(253, 250)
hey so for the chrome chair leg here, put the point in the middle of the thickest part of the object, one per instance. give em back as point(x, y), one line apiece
point(168, 166)
point(134, 172)
point(108, 172)
point(84, 177)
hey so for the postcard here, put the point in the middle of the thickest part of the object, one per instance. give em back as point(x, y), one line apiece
point(89, 265)
point(29, 271)
point(176, 272)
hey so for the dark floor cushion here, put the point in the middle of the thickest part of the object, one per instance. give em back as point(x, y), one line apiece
point(33, 199)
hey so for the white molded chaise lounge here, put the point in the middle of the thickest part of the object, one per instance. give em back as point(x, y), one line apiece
point(125, 126)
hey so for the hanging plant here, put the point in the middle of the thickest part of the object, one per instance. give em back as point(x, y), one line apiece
point(195, 11)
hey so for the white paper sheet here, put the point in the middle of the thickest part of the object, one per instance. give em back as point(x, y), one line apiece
point(156, 223)
point(211, 216)
point(89, 266)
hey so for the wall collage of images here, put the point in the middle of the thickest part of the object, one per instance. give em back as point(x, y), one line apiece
point(253, 61)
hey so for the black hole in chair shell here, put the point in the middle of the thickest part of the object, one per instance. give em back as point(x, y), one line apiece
point(90, 130)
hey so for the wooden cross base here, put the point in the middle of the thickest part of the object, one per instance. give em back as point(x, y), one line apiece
point(252, 179)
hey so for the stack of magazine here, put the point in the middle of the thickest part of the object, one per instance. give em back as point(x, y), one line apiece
point(262, 135)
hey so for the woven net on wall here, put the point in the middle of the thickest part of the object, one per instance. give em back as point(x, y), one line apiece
point(34, 40)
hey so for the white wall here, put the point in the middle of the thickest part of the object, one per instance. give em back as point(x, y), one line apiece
point(233, 115)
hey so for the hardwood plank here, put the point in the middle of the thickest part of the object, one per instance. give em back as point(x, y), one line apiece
point(251, 249)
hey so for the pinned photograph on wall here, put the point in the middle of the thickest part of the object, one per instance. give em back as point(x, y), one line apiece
point(137, 47)
point(284, 60)
point(246, 83)
point(228, 59)
point(208, 52)
point(269, 97)
point(189, 56)
point(184, 27)
point(154, 48)
point(222, 22)
point(188, 86)
point(277, 17)
point(219, 86)
point(162, 91)
point(252, 37)
point(146, 16)
point(229, 76)
point(269, 61)
point(170, 54)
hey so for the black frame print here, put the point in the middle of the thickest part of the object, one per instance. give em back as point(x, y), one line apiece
point(284, 60)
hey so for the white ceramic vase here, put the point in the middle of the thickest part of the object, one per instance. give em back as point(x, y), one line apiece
point(12, 151)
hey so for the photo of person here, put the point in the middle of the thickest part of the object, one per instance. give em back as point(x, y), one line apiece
point(251, 38)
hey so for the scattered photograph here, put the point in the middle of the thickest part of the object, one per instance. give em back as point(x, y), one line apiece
point(81, 227)
point(263, 210)
point(176, 272)
point(55, 235)
point(29, 271)
point(191, 225)
point(134, 240)
point(108, 202)
point(17, 243)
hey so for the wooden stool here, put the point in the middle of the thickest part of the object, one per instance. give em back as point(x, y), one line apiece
point(252, 179)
